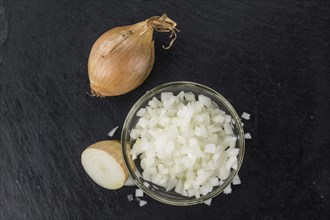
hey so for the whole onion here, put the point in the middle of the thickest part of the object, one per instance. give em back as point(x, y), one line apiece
point(122, 58)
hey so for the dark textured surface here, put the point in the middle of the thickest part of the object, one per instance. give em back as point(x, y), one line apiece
point(269, 58)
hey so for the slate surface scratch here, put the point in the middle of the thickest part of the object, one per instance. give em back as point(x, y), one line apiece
point(268, 58)
point(3, 29)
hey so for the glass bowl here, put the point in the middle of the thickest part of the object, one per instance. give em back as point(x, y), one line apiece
point(158, 192)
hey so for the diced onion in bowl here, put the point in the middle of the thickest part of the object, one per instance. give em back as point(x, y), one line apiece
point(185, 143)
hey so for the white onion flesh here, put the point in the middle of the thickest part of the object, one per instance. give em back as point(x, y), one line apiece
point(113, 131)
point(228, 189)
point(208, 202)
point(103, 168)
point(130, 197)
point(185, 143)
point(129, 182)
point(142, 203)
point(236, 180)
point(247, 136)
point(246, 116)
point(138, 193)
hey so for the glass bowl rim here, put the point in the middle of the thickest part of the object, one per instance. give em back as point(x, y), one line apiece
point(125, 133)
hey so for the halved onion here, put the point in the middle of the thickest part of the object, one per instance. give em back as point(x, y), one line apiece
point(103, 162)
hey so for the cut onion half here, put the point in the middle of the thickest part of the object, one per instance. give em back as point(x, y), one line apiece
point(103, 162)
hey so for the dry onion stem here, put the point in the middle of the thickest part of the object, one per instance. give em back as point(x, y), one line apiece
point(122, 58)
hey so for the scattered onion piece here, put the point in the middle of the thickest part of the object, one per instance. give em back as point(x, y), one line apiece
point(112, 132)
point(129, 182)
point(138, 193)
point(130, 197)
point(227, 190)
point(246, 116)
point(236, 180)
point(208, 202)
point(247, 136)
point(142, 203)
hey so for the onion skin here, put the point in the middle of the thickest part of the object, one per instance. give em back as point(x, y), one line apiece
point(123, 57)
